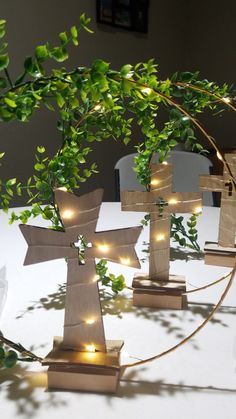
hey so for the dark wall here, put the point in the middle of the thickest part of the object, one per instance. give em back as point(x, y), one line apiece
point(183, 35)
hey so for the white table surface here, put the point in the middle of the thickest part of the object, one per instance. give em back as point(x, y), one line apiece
point(196, 381)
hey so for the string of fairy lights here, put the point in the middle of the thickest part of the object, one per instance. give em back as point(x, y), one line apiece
point(105, 247)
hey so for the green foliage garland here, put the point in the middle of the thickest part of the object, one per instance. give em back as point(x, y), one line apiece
point(96, 104)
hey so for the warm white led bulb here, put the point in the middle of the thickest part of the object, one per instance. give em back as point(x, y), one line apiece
point(90, 321)
point(165, 163)
point(90, 348)
point(155, 182)
point(172, 201)
point(160, 237)
point(198, 210)
point(125, 261)
point(226, 99)
point(67, 214)
point(103, 248)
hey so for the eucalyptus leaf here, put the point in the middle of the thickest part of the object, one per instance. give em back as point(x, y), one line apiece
point(4, 61)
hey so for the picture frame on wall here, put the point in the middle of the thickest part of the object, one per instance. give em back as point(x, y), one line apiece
point(127, 14)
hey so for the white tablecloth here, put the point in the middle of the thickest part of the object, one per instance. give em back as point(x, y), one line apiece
point(196, 381)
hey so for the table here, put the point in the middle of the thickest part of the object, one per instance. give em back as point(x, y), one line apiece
point(196, 381)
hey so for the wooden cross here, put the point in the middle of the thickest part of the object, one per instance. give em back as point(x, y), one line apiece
point(223, 184)
point(160, 202)
point(83, 328)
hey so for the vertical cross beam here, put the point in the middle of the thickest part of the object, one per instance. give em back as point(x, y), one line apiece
point(158, 288)
point(159, 254)
point(83, 327)
point(223, 184)
point(227, 225)
point(223, 252)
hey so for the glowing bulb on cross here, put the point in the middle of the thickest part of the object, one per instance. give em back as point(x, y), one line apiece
point(172, 201)
point(226, 99)
point(67, 214)
point(90, 321)
point(90, 348)
point(160, 237)
point(155, 182)
point(198, 210)
point(103, 248)
point(125, 261)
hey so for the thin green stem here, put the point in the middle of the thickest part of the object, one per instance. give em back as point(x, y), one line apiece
point(8, 78)
point(19, 348)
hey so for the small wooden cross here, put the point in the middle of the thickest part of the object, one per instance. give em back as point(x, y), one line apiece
point(160, 202)
point(83, 329)
point(223, 184)
point(223, 252)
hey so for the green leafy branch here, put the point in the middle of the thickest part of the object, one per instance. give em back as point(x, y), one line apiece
point(185, 238)
point(116, 283)
point(9, 357)
point(95, 104)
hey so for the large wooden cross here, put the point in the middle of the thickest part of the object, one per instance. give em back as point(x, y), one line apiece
point(227, 224)
point(83, 328)
point(160, 202)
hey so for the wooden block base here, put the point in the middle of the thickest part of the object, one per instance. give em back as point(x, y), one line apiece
point(90, 379)
point(84, 371)
point(159, 294)
point(219, 255)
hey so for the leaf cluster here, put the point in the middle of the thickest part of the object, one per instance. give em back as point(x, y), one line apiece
point(185, 237)
point(116, 283)
point(95, 104)
point(8, 358)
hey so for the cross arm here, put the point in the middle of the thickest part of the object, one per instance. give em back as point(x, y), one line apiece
point(45, 244)
point(211, 183)
point(182, 202)
point(135, 201)
point(116, 245)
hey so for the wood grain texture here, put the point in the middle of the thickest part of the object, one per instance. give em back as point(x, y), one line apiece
point(58, 356)
point(93, 379)
point(82, 304)
point(218, 255)
point(149, 201)
point(159, 250)
point(211, 183)
point(143, 299)
point(160, 202)
point(231, 160)
point(227, 225)
point(175, 285)
point(82, 209)
point(74, 370)
point(223, 184)
point(79, 216)
point(220, 260)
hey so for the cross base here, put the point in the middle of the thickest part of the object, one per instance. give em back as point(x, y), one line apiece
point(159, 294)
point(84, 371)
point(219, 255)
